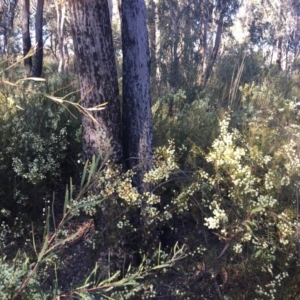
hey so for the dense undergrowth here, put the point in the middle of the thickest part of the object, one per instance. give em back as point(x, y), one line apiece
point(222, 216)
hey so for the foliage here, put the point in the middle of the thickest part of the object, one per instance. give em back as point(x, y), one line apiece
point(177, 117)
point(11, 278)
point(35, 143)
point(18, 280)
point(220, 219)
point(243, 192)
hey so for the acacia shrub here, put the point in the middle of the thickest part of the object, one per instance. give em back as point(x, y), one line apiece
point(240, 190)
point(39, 141)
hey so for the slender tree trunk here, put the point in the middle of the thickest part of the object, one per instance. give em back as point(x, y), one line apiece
point(203, 38)
point(26, 34)
point(93, 44)
point(217, 43)
point(279, 53)
point(61, 33)
point(37, 67)
point(152, 39)
point(174, 74)
point(7, 17)
point(66, 52)
point(137, 117)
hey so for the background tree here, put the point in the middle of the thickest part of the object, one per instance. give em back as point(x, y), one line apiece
point(26, 34)
point(60, 7)
point(274, 29)
point(152, 20)
point(37, 66)
point(225, 10)
point(8, 10)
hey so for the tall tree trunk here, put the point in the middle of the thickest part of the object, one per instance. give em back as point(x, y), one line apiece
point(137, 117)
point(26, 34)
point(93, 44)
point(37, 67)
point(60, 7)
point(152, 40)
point(174, 74)
point(217, 42)
point(203, 37)
point(66, 52)
point(7, 17)
point(279, 53)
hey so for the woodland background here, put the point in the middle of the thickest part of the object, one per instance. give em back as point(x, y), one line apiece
point(207, 206)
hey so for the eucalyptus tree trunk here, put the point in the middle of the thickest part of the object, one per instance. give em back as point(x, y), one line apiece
point(174, 74)
point(7, 18)
point(26, 34)
point(137, 117)
point(37, 67)
point(93, 44)
point(207, 72)
point(63, 64)
point(279, 53)
point(152, 11)
point(206, 16)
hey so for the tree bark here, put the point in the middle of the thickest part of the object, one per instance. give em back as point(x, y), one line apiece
point(110, 8)
point(203, 37)
point(213, 56)
point(93, 44)
point(37, 67)
point(279, 53)
point(62, 39)
point(174, 74)
point(26, 35)
point(152, 39)
point(7, 17)
point(137, 117)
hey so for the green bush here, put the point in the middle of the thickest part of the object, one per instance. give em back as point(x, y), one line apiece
point(38, 137)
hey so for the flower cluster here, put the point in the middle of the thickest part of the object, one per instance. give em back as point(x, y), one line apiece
point(218, 218)
point(270, 289)
point(165, 164)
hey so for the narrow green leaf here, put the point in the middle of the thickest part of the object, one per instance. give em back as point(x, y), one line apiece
point(33, 240)
point(45, 245)
point(53, 215)
point(85, 296)
point(247, 226)
point(124, 283)
point(255, 210)
point(94, 272)
point(71, 189)
point(83, 175)
point(106, 158)
point(89, 203)
point(98, 157)
point(91, 169)
point(48, 222)
point(66, 200)
point(110, 279)
point(158, 256)
point(107, 297)
point(64, 241)
point(129, 268)
point(161, 266)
